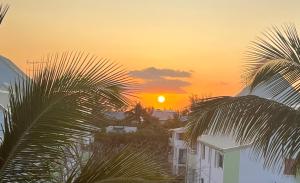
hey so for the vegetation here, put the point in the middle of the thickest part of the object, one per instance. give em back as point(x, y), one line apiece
point(3, 11)
point(139, 114)
point(124, 166)
point(154, 139)
point(53, 109)
point(151, 134)
point(272, 126)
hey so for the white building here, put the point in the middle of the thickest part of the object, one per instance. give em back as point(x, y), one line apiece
point(9, 72)
point(219, 159)
point(163, 115)
point(178, 154)
point(116, 115)
point(120, 129)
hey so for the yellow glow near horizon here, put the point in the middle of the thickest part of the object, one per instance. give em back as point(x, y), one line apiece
point(208, 38)
point(161, 99)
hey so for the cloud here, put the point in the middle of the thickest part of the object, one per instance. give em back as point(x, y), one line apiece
point(154, 73)
point(162, 80)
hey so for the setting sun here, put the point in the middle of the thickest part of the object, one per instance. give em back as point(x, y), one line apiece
point(161, 99)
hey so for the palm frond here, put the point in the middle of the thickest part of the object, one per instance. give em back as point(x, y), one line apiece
point(275, 44)
point(3, 11)
point(280, 80)
point(126, 165)
point(131, 180)
point(54, 109)
point(272, 128)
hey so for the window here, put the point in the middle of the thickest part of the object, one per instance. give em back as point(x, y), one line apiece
point(180, 136)
point(182, 156)
point(218, 160)
point(289, 168)
point(202, 180)
point(202, 149)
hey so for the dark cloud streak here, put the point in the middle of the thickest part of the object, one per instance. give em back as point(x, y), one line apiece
point(163, 80)
point(154, 73)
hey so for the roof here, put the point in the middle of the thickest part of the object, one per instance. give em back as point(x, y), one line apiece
point(163, 115)
point(116, 115)
point(9, 72)
point(183, 118)
point(221, 143)
point(261, 91)
point(178, 130)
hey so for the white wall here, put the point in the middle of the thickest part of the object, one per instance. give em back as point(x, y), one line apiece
point(253, 171)
point(204, 168)
point(126, 129)
point(208, 170)
point(176, 144)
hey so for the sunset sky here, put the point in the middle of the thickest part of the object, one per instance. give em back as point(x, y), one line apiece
point(176, 48)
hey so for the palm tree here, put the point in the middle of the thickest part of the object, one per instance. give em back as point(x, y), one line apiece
point(138, 113)
point(272, 125)
point(3, 11)
point(53, 110)
point(123, 166)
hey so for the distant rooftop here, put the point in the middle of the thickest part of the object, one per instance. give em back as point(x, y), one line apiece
point(178, 130)
point(116, 115)
point(222, 143)
point(163, 115)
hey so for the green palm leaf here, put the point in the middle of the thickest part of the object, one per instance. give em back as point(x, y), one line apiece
point(3, 11)
point(272, 128)
point(131, 180)
point(55, 109)
point(275, 44)
point(274, 64)
point(280, 79)
point(126, 165)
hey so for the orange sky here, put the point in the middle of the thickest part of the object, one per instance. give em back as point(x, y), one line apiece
point(202, 37)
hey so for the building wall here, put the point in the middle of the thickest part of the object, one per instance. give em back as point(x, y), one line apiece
point(206, 168)
point(192, 174)
point(252, 170)
point(9, 73)
point(238, 167)
point(231, 167)
point(176, 145)
point(125, 129)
